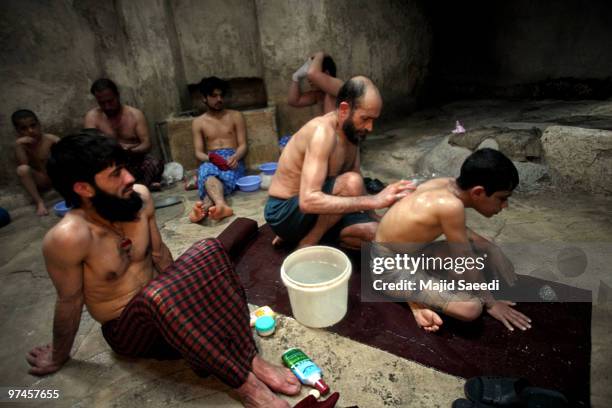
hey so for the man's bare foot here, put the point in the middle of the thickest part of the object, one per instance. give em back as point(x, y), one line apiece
point(277, 241)
point(218, 212)
point(278, 378)
point(41, 209)
point(255, 394)
point(426, 318)
point(198, 212)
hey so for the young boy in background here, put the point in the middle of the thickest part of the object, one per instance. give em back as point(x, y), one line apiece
point(32, 149)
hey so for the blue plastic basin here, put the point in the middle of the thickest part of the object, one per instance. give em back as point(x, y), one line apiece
point(61, 208)
point(268, 168)
point(249, 183)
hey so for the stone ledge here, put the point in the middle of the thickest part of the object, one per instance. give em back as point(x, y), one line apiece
point(578, 158)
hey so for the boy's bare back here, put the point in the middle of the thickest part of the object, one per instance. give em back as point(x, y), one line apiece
point(418, 217)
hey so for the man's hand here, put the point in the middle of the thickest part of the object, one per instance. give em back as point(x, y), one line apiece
point(232, 162)
point(162, 258)
point(42, 362)
point(218, 161)
point(25, 140)
point(502, 311)
point(301, 71)
point(393, 192)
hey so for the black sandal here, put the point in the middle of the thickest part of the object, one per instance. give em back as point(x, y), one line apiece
point(465, 403)
point(511, 392)
point(374, 186)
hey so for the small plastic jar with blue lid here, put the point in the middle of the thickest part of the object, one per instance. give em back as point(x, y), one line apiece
point(265, 326)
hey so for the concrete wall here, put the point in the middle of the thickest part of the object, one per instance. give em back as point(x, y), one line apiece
point(157, 77)
point(497, 44)
point(218, 37)
point(387, 40)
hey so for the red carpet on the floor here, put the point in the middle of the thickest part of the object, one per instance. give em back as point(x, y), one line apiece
point(555, 353)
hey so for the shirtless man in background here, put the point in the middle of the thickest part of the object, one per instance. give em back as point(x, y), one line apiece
point(129, 126)
point(32, 151)
point(220, 143)
point(318, 185)
point(436, 208)
point(108, 254)
point(320, 70)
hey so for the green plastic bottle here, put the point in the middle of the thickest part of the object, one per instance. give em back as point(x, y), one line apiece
point(304, 369)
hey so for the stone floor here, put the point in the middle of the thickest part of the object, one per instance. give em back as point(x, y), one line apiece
point(363, 375)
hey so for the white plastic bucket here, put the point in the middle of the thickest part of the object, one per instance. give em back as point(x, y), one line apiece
point(317, 303)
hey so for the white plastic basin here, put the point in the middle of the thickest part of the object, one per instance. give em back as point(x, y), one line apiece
point(316, 279)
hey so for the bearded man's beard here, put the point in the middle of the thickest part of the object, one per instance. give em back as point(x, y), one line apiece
point(353, 135)
point(116, 209)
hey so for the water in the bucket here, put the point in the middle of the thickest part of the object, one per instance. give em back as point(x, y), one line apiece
point(310, 272)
